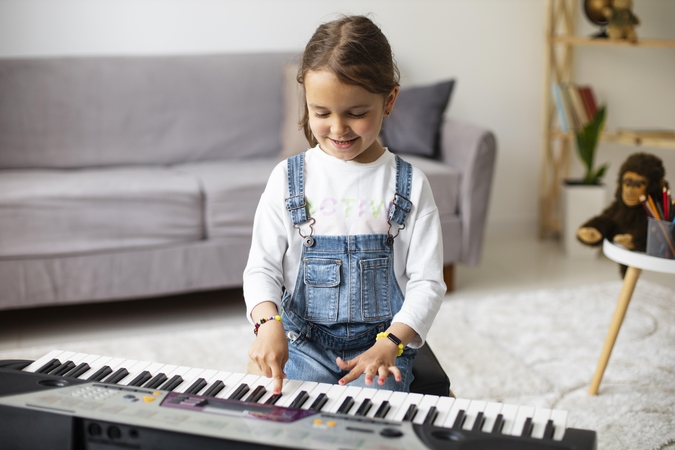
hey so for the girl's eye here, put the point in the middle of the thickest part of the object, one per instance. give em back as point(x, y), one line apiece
point(358, 116)
point(321, 115)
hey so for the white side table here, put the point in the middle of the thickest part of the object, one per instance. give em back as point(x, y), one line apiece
point(636, 262)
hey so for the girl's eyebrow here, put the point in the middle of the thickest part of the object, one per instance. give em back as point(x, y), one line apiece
point(315, 106)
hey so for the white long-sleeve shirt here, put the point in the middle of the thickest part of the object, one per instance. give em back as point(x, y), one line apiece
point(349, 198)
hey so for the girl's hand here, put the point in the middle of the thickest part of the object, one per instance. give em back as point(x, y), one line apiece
point(378, 361)
point(270, 352)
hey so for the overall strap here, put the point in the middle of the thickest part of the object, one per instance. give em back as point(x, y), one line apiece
point(295, 203)
point(401, 205)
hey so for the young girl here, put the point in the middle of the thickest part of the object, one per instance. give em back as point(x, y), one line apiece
point(344, 232)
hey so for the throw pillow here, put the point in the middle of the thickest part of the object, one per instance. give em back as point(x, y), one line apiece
point(293, 139)
point(414, 125)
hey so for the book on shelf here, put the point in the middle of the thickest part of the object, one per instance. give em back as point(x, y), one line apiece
point(588, 98)
point(560, 106)
point(575, 105)
point(648, 133)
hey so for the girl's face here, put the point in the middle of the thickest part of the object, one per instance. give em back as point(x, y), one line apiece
point(344, 118)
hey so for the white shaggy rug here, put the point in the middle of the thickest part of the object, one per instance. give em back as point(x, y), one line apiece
point(537, 348)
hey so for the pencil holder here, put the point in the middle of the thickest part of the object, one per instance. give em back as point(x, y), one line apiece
point(661, 238)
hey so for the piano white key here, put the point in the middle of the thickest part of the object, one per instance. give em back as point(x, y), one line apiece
point(35, 365)
point(333, 394)
point(231, 383)
point(94, 366)
point(365, 394)
point(492, 409)
point(395, 401)
point(559, 419)
point(475, 407)
point(218, 376)
point(509, 413)
point(134, 371)
point(443, 406)
point(321, 388)
point(458, 405)
point(539, 421)
point(288, 392)
point(349, 391)
point(189, 378)
point(78, 357)
point(424, 406)
point(524, 412)
point(307, 386)
point(382, 395)
point(410, 399)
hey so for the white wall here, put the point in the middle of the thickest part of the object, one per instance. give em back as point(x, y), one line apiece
point(495, 49)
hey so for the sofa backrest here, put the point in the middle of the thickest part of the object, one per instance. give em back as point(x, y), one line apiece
point(100, 111)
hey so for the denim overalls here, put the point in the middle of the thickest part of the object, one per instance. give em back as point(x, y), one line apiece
point(345, 293)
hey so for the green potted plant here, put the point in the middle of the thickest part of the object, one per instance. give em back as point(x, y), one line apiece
point(583, 198)
point(587, 142)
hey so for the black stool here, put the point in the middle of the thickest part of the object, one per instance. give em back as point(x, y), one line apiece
point(430, 378)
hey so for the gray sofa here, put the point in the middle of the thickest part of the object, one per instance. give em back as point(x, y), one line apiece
point(131, 177)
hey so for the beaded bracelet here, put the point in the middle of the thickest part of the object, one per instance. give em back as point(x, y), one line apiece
point(263, 320)
point(393, 339)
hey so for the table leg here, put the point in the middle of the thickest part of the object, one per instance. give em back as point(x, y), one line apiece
point(629, 281)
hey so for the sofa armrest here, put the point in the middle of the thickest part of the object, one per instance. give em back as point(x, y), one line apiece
point(472, 150)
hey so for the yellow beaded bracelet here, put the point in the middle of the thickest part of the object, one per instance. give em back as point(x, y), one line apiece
point(263, 320)
point(393, 339)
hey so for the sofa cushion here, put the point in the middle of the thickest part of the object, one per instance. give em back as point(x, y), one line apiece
point(49, 212)
point(232, 190)
point(445, 182)
point(102, 111)
point(415, 122)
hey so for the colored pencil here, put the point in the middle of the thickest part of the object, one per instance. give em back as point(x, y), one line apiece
point(645, 205)
point(653, 207)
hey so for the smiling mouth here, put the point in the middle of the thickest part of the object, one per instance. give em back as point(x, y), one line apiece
point(344, 143)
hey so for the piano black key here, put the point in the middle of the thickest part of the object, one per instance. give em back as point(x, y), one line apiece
point(319, 402)
point(63, 368)
point(238, 393)
point(117, 376)
point(410, 413)
point(478, 424)
point(527, 428)
point(77, 371)
point(273, 399)
point(346, 405)
point(100, 374)
point(197, 386)
point(382, 410)
point(431, 416)
point(459, 420)
point(213, 390)
point(364, 408)
point(172, 384)
point(156, 381)
point(549, 430)
point(499, 424)
point(256, 394)
point(299, 400)
point(141, 379)
point(51, 365)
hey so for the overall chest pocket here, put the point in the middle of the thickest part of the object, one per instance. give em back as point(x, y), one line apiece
point(375, 298)
point(322, 281)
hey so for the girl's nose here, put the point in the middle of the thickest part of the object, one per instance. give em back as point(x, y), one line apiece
point(339, 127)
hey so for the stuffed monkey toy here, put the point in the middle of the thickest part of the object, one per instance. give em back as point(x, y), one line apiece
point(624, 222)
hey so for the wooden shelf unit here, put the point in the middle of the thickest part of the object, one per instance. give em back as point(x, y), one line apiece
point(561, 16)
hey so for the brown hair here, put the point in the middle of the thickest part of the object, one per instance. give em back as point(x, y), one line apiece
point(356, 51)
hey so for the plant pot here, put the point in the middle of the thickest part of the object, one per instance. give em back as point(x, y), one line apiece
point(580, 202)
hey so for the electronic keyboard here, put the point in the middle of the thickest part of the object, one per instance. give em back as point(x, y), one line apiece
point(69, 400)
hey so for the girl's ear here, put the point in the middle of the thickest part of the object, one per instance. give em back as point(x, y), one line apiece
point(391, 100)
